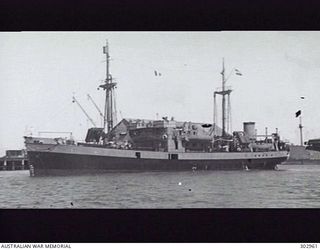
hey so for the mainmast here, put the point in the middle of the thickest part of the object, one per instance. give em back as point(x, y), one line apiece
point(223, 92)
point(109, 87)
point(223, 100)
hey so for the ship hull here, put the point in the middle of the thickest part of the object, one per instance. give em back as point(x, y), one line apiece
point(55, 160)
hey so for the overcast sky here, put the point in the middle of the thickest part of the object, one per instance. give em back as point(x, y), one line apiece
point(40, 71)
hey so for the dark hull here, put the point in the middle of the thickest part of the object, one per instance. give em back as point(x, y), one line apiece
point(46, 163)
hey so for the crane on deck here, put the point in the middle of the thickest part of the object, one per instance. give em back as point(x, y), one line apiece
point(96, 106)
point(74, 100)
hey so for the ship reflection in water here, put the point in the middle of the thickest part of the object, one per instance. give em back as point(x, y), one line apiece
point(290, 187)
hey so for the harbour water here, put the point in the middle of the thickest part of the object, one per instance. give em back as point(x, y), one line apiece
point(292, 186)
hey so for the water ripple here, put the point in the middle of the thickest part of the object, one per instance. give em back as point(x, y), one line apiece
point(291, 187)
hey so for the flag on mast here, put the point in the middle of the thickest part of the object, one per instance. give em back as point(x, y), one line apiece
point(238, 72)
point(298, 113)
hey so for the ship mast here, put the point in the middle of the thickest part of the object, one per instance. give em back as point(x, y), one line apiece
point(109, 87)
point(223, 92)
point(223, 100)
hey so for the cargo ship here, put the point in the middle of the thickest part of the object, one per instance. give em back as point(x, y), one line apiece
point(156, 145)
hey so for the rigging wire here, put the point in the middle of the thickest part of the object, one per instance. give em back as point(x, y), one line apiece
point(54, 116)
point(115, 108)
point(230, 114)
point(152, 68)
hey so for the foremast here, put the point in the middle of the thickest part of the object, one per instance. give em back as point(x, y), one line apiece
point(109, 87)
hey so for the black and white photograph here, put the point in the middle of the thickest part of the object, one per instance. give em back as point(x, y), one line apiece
point(159, 120)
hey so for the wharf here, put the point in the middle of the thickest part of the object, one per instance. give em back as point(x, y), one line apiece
point(14, 160)
point(300, 155)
